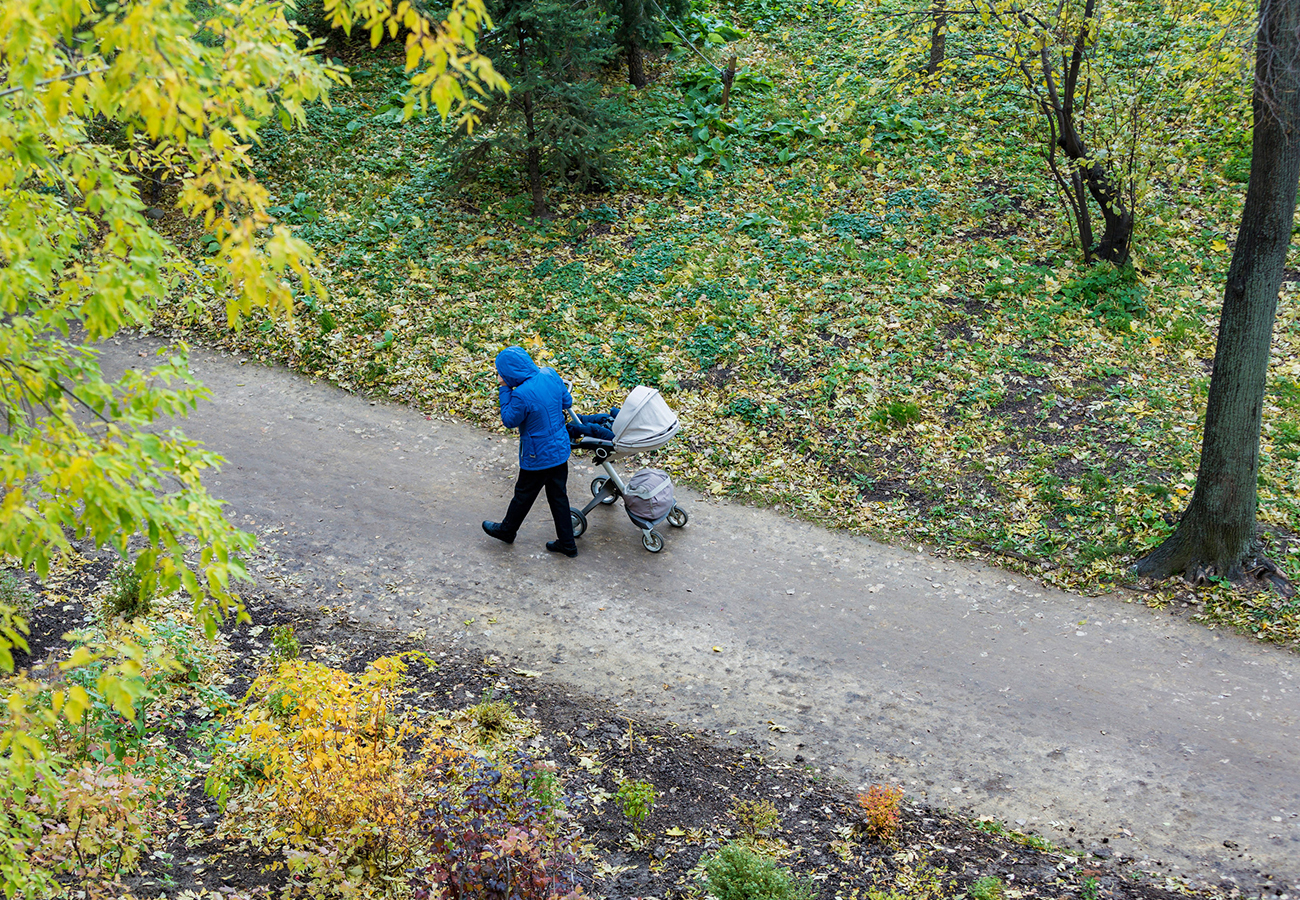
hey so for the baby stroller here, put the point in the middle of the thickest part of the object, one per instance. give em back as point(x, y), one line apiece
point(644, 422)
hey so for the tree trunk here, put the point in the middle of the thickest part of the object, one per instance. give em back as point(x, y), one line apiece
point(939, 36)
point(633, 13)
point(1217, 532)
point(535, 185)
point(1059, 106)
point(534, 161)
point(635, 64)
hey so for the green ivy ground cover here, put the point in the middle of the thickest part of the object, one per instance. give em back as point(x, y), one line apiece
point(864, 303)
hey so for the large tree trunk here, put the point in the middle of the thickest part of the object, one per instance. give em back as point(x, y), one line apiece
point(1217, 532)
point(633, 13)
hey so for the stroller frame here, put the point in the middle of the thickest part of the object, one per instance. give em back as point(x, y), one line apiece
point(604, 491)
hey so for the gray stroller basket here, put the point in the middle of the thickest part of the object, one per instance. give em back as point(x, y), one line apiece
point(644, 422)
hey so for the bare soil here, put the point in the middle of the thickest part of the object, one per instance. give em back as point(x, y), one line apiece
point(700, 777)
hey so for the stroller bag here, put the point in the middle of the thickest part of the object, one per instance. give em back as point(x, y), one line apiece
point(649, 494)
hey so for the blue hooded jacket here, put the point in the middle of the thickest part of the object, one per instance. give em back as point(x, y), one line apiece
point(534, 400)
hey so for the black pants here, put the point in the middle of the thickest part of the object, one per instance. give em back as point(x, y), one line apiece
point(529, 485)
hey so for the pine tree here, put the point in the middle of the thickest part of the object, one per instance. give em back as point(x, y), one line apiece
point(554, 122)
point(640, 24)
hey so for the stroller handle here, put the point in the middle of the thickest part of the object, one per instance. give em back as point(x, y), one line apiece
point(568, 386)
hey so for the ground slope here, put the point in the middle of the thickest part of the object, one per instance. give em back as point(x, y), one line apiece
point(969, 686)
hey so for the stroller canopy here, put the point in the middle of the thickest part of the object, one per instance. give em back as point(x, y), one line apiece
point(645, 422)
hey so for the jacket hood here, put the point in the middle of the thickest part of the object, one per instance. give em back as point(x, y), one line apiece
point(516, 366)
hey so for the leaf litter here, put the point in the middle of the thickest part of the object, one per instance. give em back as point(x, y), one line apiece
point(893, 341)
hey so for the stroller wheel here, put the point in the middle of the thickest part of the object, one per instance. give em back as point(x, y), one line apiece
point(598, 485)
point(677, 517)
point(652, 541)
point(579, 521)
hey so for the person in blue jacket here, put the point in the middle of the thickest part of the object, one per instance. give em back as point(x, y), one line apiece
point(534, 400)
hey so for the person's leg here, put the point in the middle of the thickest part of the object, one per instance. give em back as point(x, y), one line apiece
point(557, 495)
point(527, 487)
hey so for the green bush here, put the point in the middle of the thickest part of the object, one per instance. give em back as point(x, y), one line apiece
point(735, 873)
point(128, 596)
point(756, 817)
point(1237, 167)
point(989, 887)
point(1112, 296)
point(284, 643)
point(636, 799)
point(15, 595)
point(896, 414)
point(16, 605)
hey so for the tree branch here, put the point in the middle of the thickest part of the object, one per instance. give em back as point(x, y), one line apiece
point(69, 76)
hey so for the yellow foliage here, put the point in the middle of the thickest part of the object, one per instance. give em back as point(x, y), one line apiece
point(321, 764)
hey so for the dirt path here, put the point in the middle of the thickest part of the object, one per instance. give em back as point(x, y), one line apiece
point(1094, 722)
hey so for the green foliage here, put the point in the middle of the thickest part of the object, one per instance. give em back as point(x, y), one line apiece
point(737, 873)
point(1237, 166)
point(896, 414)
point(15, 595)
point(1111, 87)
point(987, 887)
point(124, 685)
point(544, 786)
point(702, 29)
point(556, 118)
point(16, 606)
point(1045, 434)
point(149, 92)
point(1090, 889)
point(25, 793)
point(106, 475)
point(756, 817)
point(83, 804)
point(636, 799)
point(284, 643)
point(1113, 296)
point(130, 592)
point(855, 225)
point(297, 211)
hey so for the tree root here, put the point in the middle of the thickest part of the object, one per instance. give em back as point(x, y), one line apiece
point(1259, 568)
point(1200, 575)
point(1264, 569)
